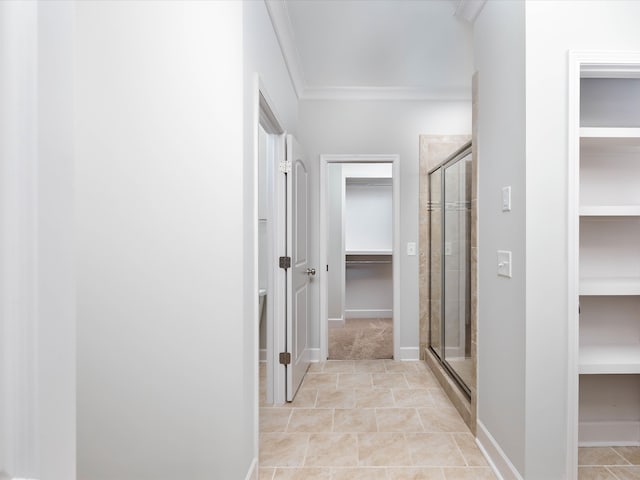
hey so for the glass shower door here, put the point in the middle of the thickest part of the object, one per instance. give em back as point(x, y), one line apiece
point(456, 263)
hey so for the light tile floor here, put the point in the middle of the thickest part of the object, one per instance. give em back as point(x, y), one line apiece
point(609, 463)
point(369, 420)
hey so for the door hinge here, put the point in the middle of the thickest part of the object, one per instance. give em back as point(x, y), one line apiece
point(285, 166)
point(285, 358)
point(285, 262)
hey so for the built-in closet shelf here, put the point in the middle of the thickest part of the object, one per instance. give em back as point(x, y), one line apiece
point(610, 211)
point(610, 286)
point(610, 359)
point(368, 252)
point(616, 133)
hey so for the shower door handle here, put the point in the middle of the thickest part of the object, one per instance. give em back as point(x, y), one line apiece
point(310, 271)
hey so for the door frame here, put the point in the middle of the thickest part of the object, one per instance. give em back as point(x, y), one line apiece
point(266, 115)
point(325, 160)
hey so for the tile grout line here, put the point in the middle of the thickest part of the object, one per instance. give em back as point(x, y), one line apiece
point(306, 451)
point(464, 457)
point(621, 456)
point(424, 429)
point(613, 474)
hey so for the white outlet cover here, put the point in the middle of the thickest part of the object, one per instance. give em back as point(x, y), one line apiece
point(504, 263)
point(411, 248)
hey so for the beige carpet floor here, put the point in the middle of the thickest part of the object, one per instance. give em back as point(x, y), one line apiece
point(362, 339)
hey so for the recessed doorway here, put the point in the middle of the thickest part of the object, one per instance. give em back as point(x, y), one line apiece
point(359, 243)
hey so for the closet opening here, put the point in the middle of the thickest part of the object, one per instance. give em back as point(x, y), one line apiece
point(359, 239)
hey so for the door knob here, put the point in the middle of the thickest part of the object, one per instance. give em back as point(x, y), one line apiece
point(310, 271)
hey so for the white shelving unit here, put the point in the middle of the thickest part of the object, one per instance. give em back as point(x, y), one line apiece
point(609, 262)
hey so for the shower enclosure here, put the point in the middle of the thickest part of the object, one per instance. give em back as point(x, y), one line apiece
point(450, 260)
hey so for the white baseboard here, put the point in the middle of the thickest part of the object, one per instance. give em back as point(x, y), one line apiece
point(366, 313)
point(313, 354)
point(605, 434)
point(263, 355)
point(499, 462)
point(252, 474)
point(409, 353)
point(336, 322)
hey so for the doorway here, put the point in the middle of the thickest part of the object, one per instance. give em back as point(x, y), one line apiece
point(359, 246)
point(283, 266)
point(270, 151)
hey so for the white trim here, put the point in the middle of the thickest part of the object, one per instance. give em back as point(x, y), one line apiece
point(368, 313)
point(281, 22)
point(374, 158)
point(252, 474)
point(593, 64)
point(384, 93)
point(573, 283)
point(497, 459)
point(409, 353)
point(336, 322)
point(313, 355)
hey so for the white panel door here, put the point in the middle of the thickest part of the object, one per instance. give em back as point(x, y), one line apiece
point(298, 276)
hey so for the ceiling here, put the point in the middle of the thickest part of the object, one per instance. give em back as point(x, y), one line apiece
point(376, 48)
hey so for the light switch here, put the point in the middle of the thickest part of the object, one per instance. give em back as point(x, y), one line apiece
point(411, 248)
point(506, 199)
point(504, 263)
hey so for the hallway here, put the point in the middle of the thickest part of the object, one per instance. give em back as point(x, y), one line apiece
point(369, 420)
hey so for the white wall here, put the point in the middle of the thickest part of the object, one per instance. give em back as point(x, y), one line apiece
point(369, 226)
point(552, 29)
point(378, 127)
point(37, 319)
point(56, 272)
point(18, 224)
point(369, 217)
point(369, 291)
point(499, 59)
point(159, 208)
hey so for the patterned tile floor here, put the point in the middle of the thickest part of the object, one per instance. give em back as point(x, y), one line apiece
point(369, 420)
point(609, 463)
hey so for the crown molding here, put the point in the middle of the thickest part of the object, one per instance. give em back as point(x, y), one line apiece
point(383, 93)
point(281, 22)
point(469, 9)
